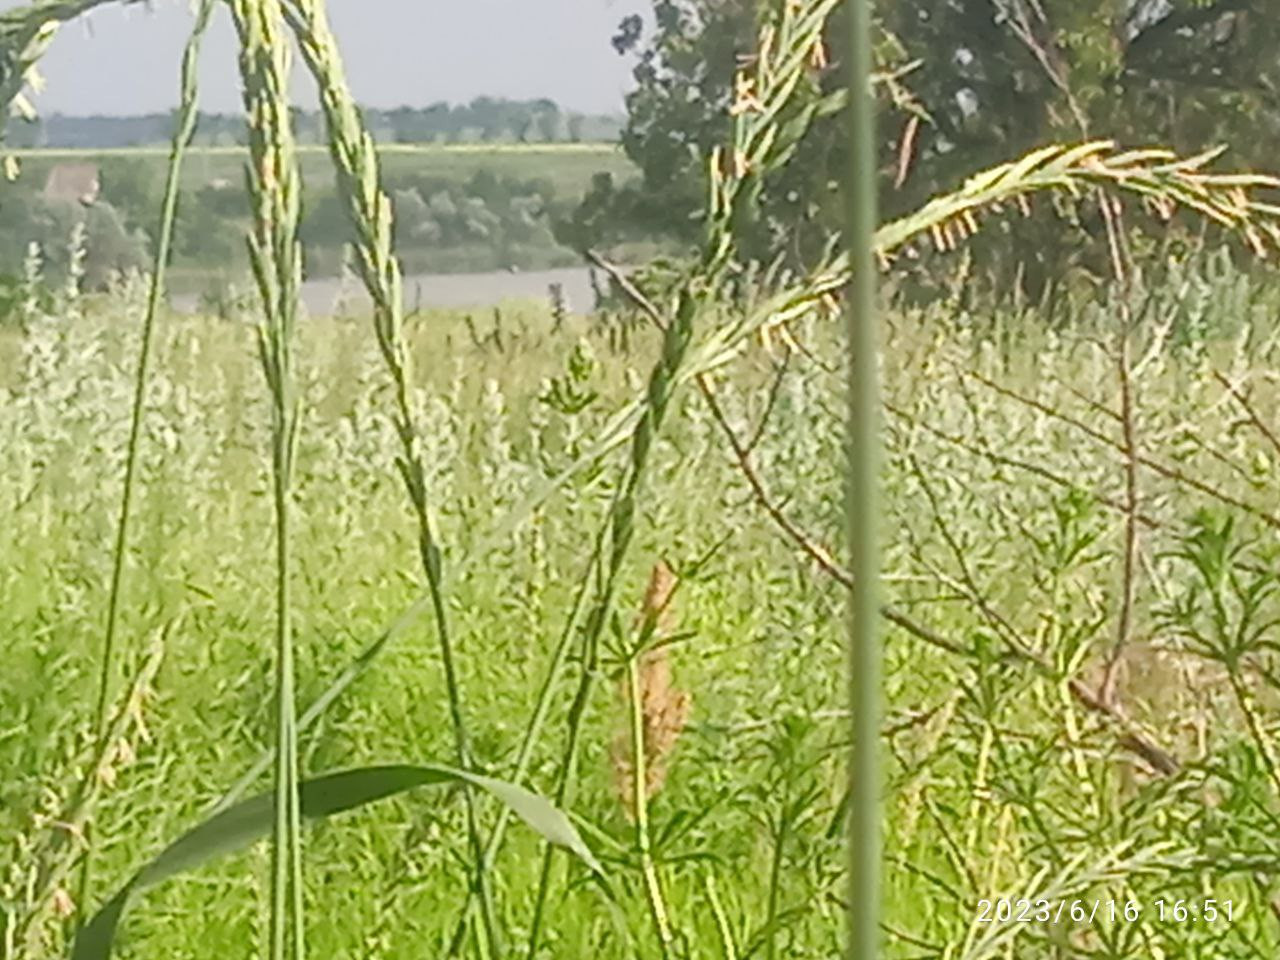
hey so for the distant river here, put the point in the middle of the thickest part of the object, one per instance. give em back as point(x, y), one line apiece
point(476, 290)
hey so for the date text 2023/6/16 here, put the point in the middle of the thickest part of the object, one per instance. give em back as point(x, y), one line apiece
point(1025, 910)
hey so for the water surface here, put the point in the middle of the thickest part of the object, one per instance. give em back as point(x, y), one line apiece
point(453, 290)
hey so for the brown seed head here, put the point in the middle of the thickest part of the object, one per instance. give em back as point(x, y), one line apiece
point(664, 709)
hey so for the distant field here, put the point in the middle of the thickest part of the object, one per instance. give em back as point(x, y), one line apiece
point(459, 207)
point(569, 166)
point(518, 148)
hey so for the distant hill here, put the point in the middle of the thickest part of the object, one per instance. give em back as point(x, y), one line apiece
point(483, 120)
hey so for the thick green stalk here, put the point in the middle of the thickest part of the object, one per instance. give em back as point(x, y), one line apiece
point(275, 252)
point(862, 504)
point(182, 133)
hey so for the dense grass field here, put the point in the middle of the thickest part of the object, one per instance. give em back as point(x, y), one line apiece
point(1017, 481)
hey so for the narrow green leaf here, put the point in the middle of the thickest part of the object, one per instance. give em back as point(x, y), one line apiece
point(237, 827)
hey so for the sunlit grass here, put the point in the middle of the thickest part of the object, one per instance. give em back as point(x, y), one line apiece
point(761, 629)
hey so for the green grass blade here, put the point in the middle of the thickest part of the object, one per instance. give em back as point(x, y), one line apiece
point(182, 134)
point(238, 826)
point(862, 503)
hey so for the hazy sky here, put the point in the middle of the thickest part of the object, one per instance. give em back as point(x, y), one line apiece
point(124, 58)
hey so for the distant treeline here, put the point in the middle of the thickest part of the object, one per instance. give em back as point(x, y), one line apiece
point(480, 209)
point(483, 120)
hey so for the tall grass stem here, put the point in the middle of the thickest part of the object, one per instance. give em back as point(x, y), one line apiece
point(357, 170)
point(862, 503)
point(183, 131)
point(276, 255)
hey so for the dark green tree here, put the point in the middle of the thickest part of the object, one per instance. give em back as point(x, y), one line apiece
point(546, 119)
point(987, 79)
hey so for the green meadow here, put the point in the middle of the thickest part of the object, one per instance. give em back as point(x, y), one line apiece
point(397, 633)
point(1004, 523)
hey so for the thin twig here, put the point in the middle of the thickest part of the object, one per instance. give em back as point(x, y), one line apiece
point(1132, 736)
point(775, 391)
point(742, 454)
point(1242, 398)
point(1001, 459)
point(1169, 473)
point(1025, 32)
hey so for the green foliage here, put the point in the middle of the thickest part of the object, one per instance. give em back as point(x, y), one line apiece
point(676, 115)
point(321, 797)
point(133, 184)
point(19, 296)
point(757, 778)
point(486, 211)
point(206, 236)
point(1013, 768)
point(986, 81)
point(111, 245)
point(571, 394)
point(495, 120)
point(607, 216)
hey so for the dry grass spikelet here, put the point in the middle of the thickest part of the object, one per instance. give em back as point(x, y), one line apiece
point(665, 709)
